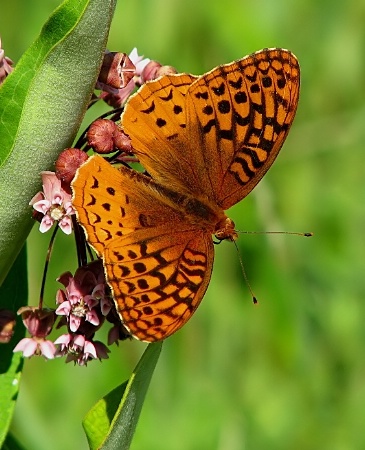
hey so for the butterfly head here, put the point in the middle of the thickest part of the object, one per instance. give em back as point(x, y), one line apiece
point(225, 230)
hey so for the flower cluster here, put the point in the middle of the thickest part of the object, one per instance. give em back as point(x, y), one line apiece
point(84, 303)
point(83, 306)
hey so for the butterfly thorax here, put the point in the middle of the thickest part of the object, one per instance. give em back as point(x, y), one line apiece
point(203, 213)
point(225, 230)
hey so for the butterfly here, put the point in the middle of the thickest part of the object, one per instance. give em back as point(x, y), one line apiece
point(205, 143)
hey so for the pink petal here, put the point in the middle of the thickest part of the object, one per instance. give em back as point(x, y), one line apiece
point(64, 309)
point(138, 61)
point(133, 56)
point(64, 340)
point(101, 350)
point(124, 93)
point(28, 346)
point(57, 198)
point(99, 291)
point(42, 206)
point(46, 224)
point(48, 349)
point(79, 340)
point(73, 291)
point(90, 301)
point(74, 323)
point(66, 225)
point(93, 318)
point(37, 198)
point(89, 349)
point(51, 185)
point(65, 278)
point(68, 208)
point(113, 335)
point(60, 297)
point(105, 306)
point(86, 280)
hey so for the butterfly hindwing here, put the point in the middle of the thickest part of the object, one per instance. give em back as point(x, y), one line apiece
point(157, 264)
point(158, 277)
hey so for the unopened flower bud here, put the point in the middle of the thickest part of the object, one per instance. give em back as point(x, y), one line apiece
point(67, 164)
point(154, 70)
point(100, 135)
point(122, 141)
point(38, 322)
point(165, 70)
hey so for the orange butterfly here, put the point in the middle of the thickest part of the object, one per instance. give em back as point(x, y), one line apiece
point(205, 142)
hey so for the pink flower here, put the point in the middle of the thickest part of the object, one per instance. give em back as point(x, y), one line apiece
point(54, 203)
point(76, 302)
point(36, 346)
point(39, 323)
point(79, 349)
point(116, 71)
point(139, 61)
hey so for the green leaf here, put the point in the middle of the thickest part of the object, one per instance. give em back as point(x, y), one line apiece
point(13, 294)
point(98, 420)
point(42, 104)
point(111, 423)
point(11, 444)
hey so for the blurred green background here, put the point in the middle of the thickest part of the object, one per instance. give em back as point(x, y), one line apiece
point(290, 372)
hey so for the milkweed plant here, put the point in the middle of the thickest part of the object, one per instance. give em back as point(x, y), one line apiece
point(51, 76)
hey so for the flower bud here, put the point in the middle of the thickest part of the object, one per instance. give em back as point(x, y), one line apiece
point(67, 164)
point(38, 322)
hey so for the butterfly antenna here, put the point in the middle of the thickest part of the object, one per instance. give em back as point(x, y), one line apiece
point(295, 233)
point(254, 298)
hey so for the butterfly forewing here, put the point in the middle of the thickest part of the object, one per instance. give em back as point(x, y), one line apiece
point(155, 120)
point(222, 133)
point(112, 203)
point(243, 113)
